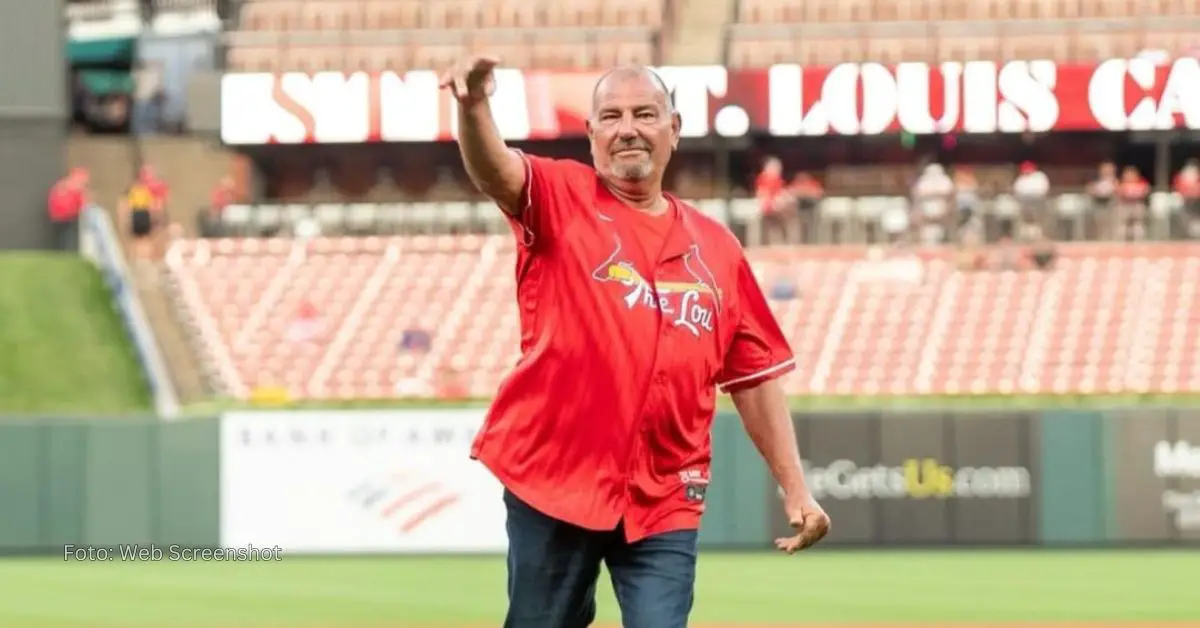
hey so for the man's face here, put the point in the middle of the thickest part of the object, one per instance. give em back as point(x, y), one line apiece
point(632, 130)
point(1108, 171)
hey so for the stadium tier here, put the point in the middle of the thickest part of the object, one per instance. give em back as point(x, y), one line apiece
point(275, 35)
point(407, 34)
point(328, 318)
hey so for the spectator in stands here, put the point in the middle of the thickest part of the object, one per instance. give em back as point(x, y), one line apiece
point(67, 199)
point(1031, 188)
point(1131, 205)
point(142, 210)
point(415, 341)
point(776, 204)
point(209, 219)
point(1187, 185)
point(808, 193)
point(157, 186)
point(932, 195)
point(966, 196)
point(308, 325)
point(1103, 192)
point(161, 192)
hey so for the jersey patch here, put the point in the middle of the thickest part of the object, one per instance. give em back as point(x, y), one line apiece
point(686, 291)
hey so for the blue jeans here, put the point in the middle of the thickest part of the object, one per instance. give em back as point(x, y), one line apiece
point(553, 568)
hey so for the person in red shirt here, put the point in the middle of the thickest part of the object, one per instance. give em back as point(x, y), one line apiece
point(159, 233)
point(1187, 185)
point(1131, 205)
point(808, 192)
point(66, 201)
point(634, 309)
point(223, 195)
point(776, 203)
point(158, 187)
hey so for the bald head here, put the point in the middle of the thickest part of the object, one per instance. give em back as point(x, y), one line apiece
point(632, 74)
point(633, 128)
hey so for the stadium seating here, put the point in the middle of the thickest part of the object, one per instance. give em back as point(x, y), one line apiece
point(827, 32)
point(1107, 319)
point(373, 35)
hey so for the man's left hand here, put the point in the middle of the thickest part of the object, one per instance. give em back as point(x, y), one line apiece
point(809, 521)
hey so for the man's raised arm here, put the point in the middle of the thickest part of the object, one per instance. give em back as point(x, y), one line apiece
point(495, 169)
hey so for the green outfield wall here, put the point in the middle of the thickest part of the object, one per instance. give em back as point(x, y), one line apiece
point(104, 483)
point(400, 481)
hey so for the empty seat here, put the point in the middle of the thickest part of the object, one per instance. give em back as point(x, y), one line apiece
point(328, 317)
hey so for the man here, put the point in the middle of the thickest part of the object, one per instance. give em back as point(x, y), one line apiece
point(157, 229)
point(775, 204)
point(67, 199)
point(1132, 192)
point(223, 195)
point(634, 307)
point(1103, 193)
point(932, 194)
point(1031, 188)
point(1187, 186)
point(808, 192)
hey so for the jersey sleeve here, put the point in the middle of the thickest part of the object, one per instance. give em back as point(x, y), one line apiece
point(759, 351)
point(543, 199)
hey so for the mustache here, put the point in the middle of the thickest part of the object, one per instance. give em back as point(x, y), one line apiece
point(634, 145)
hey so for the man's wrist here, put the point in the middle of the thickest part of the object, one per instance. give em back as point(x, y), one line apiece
point(793, 484)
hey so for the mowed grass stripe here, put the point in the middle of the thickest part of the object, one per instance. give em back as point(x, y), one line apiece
point(821, 587)
point(62, 347)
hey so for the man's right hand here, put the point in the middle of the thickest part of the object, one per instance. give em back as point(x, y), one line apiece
point(471, 81)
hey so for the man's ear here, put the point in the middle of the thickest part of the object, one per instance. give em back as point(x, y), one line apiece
point(676, 128)
point(587, 124)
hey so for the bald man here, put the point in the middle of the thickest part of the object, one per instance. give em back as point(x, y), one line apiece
point(635, 309)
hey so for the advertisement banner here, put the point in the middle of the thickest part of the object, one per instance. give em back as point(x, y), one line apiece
point(1156, 460)
point(358, 481)
point(921, 479)
point(783, 100)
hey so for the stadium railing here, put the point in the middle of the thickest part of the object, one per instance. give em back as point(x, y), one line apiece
point(852, 216)
point(99, 245)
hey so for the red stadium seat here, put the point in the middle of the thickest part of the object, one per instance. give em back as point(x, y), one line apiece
point(1107, 319)
point(566, 34)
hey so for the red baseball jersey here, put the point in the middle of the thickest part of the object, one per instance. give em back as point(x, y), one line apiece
point(607, 416)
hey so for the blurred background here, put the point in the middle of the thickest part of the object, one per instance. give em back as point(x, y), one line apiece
point(249, 299)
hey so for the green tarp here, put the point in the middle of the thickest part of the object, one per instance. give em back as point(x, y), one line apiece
point(106, 82)
point(102, 52)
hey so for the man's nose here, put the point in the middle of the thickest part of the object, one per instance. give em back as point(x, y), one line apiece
point(626, 129)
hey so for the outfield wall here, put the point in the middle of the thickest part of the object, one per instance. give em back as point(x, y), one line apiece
point(400, 481)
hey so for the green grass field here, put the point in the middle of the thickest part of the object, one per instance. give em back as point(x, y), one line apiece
point(63, 347)
point(831, 587)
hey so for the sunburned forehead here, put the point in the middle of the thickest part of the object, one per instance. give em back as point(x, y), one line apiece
point(630, 88)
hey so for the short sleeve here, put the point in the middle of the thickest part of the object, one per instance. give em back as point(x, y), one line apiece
point(758, 351)
point(546, 192)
